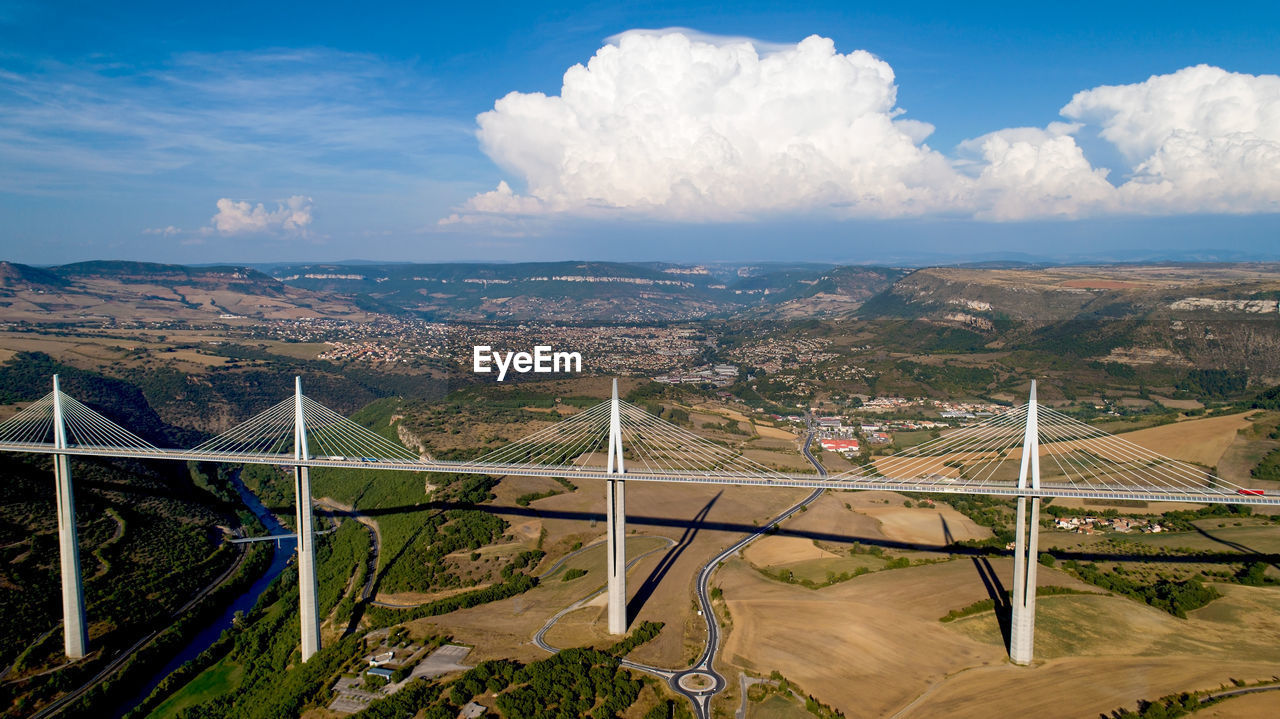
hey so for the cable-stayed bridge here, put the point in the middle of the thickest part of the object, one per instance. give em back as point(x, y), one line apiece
point(1027, 453)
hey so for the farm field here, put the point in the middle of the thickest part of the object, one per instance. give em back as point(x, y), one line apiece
point(888, 655)
point(1197, 441)
point(701, 520)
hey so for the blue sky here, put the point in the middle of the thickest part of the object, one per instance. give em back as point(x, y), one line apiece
point(243, 132)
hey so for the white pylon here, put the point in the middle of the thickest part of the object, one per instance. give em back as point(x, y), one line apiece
point(308, 609)
point(75, 636)
point(615, 511)
point(1022, 624)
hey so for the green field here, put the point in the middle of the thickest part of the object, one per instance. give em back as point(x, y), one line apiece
point(1223, 536)
point(222, 677)
point(777, 707)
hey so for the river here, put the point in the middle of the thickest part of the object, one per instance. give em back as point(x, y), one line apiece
point(283, 553)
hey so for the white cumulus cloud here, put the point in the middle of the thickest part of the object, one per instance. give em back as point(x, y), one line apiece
point(1201, 138)
point(674, 126)
point(679, 125)
point(237, 217)
point(1027, 172)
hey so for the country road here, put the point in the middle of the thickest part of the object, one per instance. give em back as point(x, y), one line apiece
point(700, 682)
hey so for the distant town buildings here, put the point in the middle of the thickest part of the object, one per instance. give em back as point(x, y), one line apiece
point(720, 375)
point(844, 446)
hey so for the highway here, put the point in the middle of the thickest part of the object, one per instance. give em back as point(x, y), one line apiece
point(687, 682)
point(700, 682)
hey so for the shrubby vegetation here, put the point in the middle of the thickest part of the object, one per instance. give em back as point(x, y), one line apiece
point(1268, 467)
point(782, 686)
point(1214, 383)
point(148, 546)
point(517, 584)
point(949, 377)
point(993, 512)
point(572, 683)
point(1176, 598)
point(989, 604)
point(1168, 707)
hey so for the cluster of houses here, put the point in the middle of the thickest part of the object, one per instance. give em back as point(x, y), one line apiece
point(1090, 525)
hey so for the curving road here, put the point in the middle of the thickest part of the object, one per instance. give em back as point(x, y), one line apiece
point(700, 682)
point(540, 638)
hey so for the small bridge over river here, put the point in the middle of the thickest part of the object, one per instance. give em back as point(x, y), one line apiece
point(1027, 453)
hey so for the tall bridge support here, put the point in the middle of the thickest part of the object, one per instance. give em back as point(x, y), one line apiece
point(309, 609)
point(615, 511)
point(1022, 625)
point(75, 635)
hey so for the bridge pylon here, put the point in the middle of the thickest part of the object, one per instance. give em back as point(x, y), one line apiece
point(1022, 625)
point(309, 610)
point(615, 511)
point(75, 636)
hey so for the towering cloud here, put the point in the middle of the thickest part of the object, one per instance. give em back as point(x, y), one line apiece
point(676, 125)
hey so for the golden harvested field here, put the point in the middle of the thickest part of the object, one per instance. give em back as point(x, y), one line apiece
point(886, 654)
point(68, 349)
point(701, 519)
point(829, 518)
point(934, 526)
point(509, 488)
point(775, 433)
point(780, 551)
point(717, 413)
point(865, 646)
point(499, 628)
point(1202, 441)
point(787, 461)
point(1199, 441)
point(1089, 686)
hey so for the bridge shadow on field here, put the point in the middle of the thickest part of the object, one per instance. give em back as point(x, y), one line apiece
point(668, 560)
point(963, 549)
point(990, 580)
point(996, 590)
point(1242, 548)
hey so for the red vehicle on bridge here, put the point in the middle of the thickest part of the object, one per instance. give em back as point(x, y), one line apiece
point(1251, 492)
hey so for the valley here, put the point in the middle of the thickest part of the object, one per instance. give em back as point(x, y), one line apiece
point(1174, 358)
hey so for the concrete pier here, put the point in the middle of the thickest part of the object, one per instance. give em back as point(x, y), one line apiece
point(1022, 629)
point(75, 633)
point(309, 610)
point(615, 511)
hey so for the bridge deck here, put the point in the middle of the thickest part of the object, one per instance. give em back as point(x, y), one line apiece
point(911, 485)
